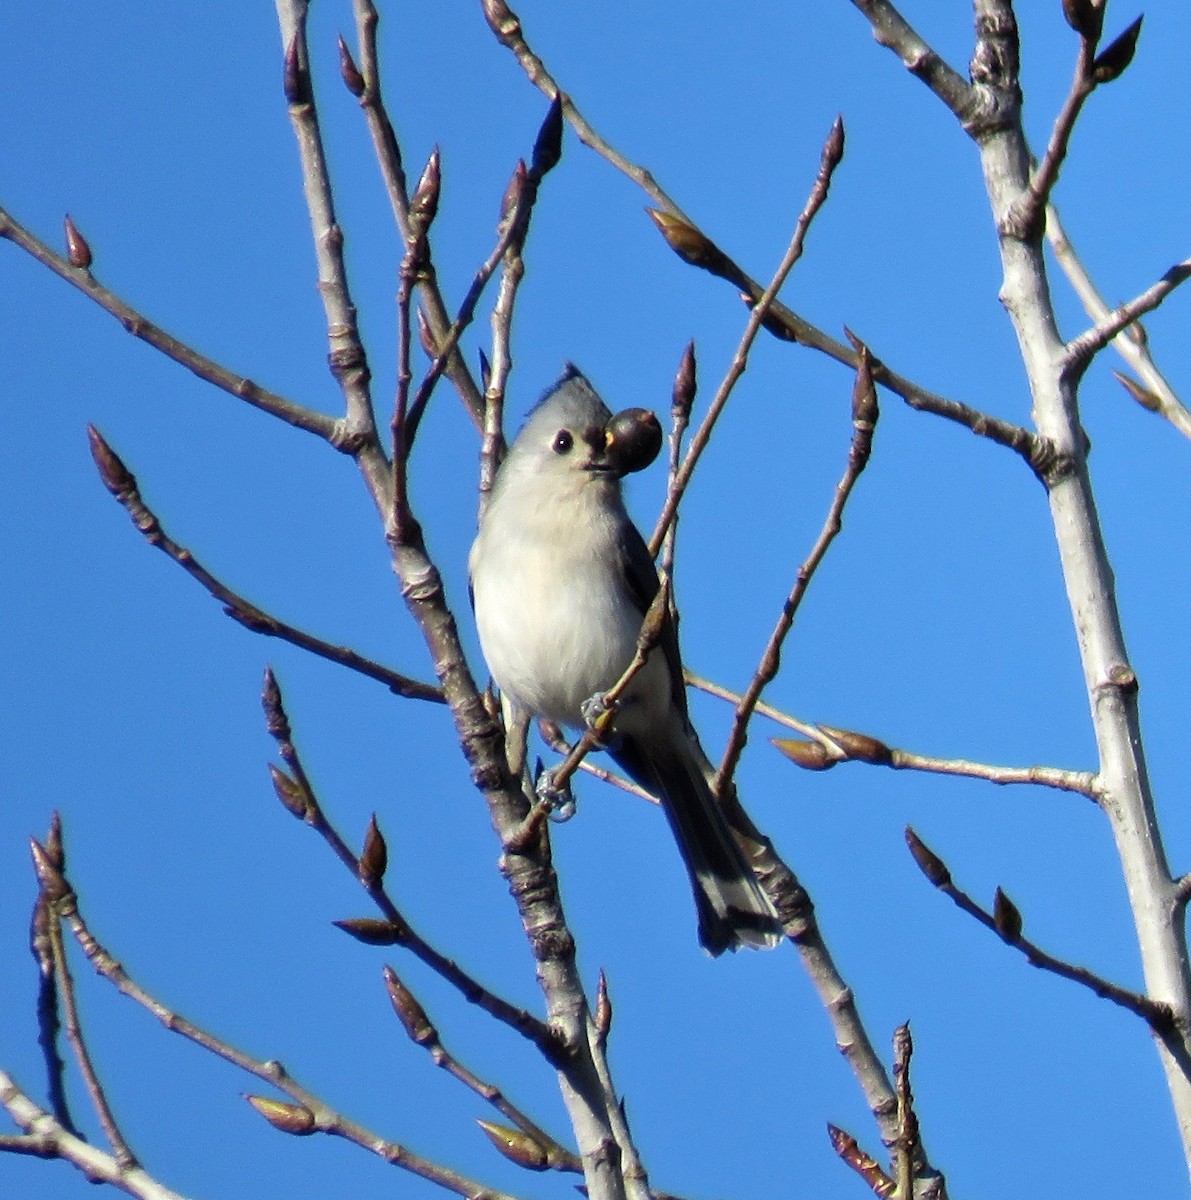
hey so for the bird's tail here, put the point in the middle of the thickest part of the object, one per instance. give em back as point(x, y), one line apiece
point(733, 909)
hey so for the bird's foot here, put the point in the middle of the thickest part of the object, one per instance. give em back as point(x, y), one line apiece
point(597, 712)
point(559, 802)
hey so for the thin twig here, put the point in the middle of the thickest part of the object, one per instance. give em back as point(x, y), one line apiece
point(781, 321)
point(298, 794)
point(120, 481)
point(907, 1147)
point(837, 742)
point(832, 153)
point(41, 945)
point(1158, 1015)
point(322, 1117)
point(1082, 349)
point(424, 1033)
point(682, 398)
point(74, 1033)
point(299, 417)
point(864, 422)
point(1026, 215)
point(346, 358)
point(388, 157)
point(1130, 343)
point(553, 738)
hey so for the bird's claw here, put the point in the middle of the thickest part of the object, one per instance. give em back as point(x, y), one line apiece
point(559, 802)
point(595, 710)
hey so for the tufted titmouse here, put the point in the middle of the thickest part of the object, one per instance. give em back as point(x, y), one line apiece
point(561, 580)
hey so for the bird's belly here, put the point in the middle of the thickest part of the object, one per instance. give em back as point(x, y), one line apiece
point(551, 648)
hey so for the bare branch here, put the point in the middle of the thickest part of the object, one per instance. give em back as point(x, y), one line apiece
point(347, 358)
point(1158, 1015)
point(285, 410)
point(864, 421)
point(46, 1137)
point(298, 795)
point(891, 30)
point(1131, 343)
point(1082, 349)
point(781, 321)
point(388, 156)
point(422, 1032)
point(846, 745)
point(832, 154)
point(121, 482)
point(74, 1032)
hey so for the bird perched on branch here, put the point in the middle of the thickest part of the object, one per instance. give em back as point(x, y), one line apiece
point(561, 581)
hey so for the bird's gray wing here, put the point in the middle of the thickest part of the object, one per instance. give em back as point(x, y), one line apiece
point(642, 579)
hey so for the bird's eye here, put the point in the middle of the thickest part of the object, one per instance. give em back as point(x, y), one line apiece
point(563, 441)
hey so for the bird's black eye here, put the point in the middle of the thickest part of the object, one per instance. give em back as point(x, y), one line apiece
point(563, 441)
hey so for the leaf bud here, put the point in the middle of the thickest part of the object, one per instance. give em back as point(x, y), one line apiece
point(117, 478)
point(859, 746)
point(1111, 62)
point(811, 756)
point(372, 931)
point(290, 792)
point(929, 863)
point(1007, 918)
point(289, 1118)
point(516, 1145)
point(374, 859)
point(78, 252)
point(547, 147)
point(411, 1014)
point(348, 71)
point(682, 397)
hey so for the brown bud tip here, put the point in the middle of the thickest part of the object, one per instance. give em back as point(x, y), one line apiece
point(603, 1012)
point(53, 882)
point(53, 844)
point(632, 440)
point(1147, 399)
point(1111, 62)
point(411, 1014)
point(1086, 17)
point(833, 148)
point(685, 240)
point(516, 1145)
point(372, 931)
point(511, 199)
point(1007, 918)
point(295, 80)
point(117, 478)
point(864, 394)
point(903, 1044)
point(847, 1147)
point(929, 863)
point(289, 792)
point(811, 756)
point(375, 857)
point(682, 397)
point(348, 71)
point(78, 252)
point(547, 148)
point(275, 718)
point(289, 1118)
point(859, 746)
point(423, 204)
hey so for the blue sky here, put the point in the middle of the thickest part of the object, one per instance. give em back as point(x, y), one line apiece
point(938, 621)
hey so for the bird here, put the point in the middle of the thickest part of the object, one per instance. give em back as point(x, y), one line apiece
point(561, 580)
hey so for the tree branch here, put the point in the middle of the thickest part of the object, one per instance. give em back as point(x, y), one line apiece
point(277, 406)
